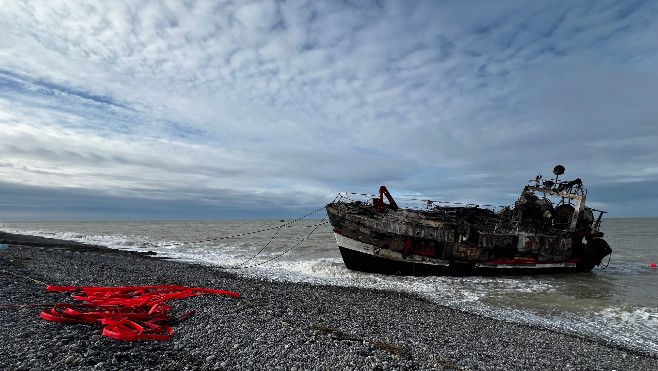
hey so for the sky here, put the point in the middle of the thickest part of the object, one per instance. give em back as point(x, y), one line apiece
point(269, 109)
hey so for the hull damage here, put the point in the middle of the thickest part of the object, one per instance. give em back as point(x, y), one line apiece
point(537, 235)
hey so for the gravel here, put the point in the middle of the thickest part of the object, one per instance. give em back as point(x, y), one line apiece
point(274, 326)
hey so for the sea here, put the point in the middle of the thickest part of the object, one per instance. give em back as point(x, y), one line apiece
point(616, 304)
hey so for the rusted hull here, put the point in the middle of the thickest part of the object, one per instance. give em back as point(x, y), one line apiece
point(360, 259)
point(533, 237)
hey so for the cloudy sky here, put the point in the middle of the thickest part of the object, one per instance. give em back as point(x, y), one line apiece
point(268, 109)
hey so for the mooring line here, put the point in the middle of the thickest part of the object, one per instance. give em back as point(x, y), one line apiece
point(241, 265)
point(322, 222)
point(26, 277)
point(237, 266)
point(254, 232)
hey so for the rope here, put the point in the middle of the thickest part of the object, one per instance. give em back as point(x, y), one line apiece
point(19, 306)
point(322, 222)
point(278, 229)
point(31, 305)
point(26, 277)
point(254, 232)
point(258, 252)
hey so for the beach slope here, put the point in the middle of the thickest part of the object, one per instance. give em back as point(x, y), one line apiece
point(274, 326)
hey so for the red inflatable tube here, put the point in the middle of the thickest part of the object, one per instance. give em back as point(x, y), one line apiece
point(128, 312)
point(125, 329)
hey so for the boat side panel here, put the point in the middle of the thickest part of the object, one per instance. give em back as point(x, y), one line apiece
point(359, 261)
point(360, 256)
point(365, 248)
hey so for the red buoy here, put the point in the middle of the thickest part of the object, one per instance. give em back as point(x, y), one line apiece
point(653, 265)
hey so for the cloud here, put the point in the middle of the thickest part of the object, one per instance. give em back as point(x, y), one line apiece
point(294, 101)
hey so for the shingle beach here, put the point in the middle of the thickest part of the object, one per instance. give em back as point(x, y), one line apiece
point(273, 326)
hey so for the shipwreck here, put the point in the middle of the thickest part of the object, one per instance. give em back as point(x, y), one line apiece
point(549, 229)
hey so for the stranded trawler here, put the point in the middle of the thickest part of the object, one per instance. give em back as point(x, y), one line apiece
point(547, 230)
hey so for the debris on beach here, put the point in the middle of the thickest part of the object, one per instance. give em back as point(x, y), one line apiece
point(128, 312)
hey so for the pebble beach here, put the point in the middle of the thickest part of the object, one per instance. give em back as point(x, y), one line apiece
point(273, 326)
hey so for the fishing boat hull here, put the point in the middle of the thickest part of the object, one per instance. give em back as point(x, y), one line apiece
point(548, 230)
point(359, 256)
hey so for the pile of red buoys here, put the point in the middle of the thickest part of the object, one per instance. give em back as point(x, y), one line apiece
point(126, 313)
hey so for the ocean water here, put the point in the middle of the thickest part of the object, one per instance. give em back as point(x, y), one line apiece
point(617, 304)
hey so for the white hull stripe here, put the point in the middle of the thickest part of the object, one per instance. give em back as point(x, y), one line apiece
point(373, 250)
